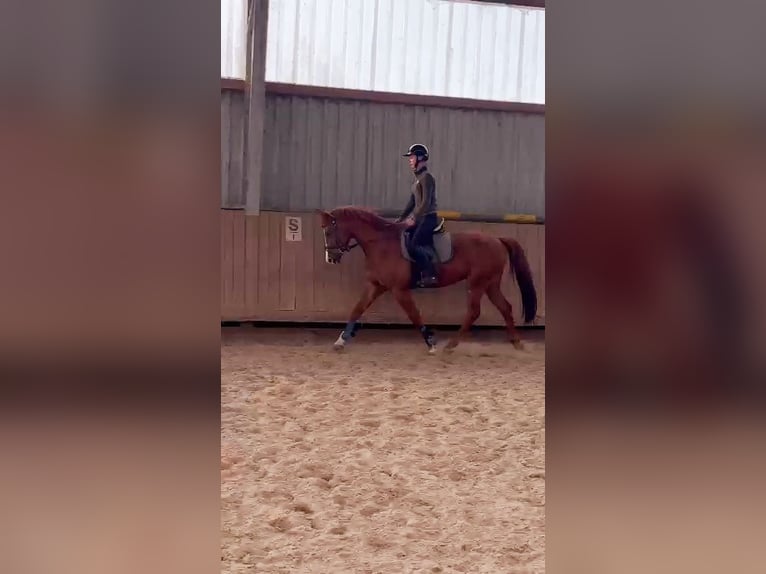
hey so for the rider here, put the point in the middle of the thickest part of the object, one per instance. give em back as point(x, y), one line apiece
point(422, 205)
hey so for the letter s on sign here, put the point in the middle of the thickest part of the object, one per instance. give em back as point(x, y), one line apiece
point(293, 229)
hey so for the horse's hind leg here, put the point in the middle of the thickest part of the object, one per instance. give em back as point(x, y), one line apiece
point(475, 293)
point(497, 298)
point(371, 292)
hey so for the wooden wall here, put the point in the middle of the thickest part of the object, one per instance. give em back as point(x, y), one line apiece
point(266, 278)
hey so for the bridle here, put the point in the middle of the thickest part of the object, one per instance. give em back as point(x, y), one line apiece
point(345, 249)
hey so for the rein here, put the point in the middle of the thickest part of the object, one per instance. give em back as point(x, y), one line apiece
point(347, 248)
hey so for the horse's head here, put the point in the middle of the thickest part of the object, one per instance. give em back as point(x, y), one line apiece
point(337, 236)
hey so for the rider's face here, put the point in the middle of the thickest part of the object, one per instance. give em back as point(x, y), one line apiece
point(413, 160)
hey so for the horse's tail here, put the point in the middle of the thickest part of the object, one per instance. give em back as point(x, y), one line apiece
point(520, 268)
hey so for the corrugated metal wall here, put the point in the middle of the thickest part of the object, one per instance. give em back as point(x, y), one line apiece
point(233, 158)
point(233, 38)
point(320, 153)
point(242, 116)
point(434, 47)
point(265, 278)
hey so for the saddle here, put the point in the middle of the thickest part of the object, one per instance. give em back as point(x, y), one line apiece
point(441, 250)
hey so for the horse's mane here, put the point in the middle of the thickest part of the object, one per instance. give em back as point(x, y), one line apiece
point(367, 216)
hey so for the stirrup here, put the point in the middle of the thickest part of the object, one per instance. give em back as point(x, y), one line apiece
point(426, 281)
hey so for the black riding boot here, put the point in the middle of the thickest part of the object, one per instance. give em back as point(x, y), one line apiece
point(427, 272)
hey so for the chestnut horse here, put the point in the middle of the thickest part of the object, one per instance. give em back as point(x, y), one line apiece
point(476, 257)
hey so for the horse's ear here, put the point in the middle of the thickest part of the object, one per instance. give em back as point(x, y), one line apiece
point(324, 216)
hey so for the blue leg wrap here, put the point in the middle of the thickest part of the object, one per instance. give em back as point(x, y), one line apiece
point(428, 336)
point(350, 330)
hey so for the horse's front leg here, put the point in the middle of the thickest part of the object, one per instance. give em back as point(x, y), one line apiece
point(406, 302)
point(372, 291)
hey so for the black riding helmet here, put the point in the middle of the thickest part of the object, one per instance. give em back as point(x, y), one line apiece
point(418, 150)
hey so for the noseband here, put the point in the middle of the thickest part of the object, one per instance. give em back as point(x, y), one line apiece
point(345, 249)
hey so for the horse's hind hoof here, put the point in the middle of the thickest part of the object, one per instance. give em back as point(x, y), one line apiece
point(432, 350)
point(518, 345)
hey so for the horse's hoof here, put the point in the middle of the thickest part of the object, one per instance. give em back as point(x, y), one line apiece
point(340, 343)
point(432, 350)
point(518, 345)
